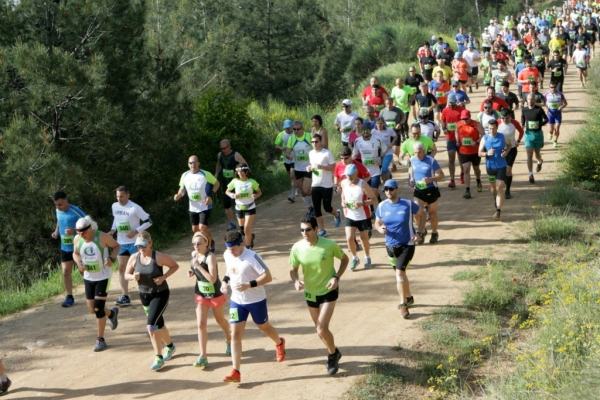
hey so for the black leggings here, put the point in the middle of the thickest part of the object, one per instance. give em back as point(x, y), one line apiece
point(155, 305)
point(321, 194)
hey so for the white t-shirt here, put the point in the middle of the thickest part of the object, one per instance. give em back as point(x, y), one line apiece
point(369, 151)
point(472, 57)
point(245, 268)
point(195, 187)
point(127, 218)
point(352, 194)
point(579, 57)
point(93, 258)
point(346, 123)
point(428, 128)
point(508, 130)
point(387, 138)
point(321, 177)
point(300, 151)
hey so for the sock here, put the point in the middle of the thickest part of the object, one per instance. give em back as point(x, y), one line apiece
point(101, 339)
point(170, 345)
point(159, 356)
point(508, 183)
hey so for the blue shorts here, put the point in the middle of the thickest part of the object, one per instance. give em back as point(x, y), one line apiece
point(127, 249)
point(554, 117)
point(451, 145)
point(385, 164)
point(239, 312)
point(375, 181)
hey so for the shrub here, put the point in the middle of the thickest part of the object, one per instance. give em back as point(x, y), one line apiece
point(581, 161)
point(555, 228)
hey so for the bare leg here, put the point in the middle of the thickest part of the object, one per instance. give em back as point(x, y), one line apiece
point(321, 317)
point(124, 282)
point(218, 313)
point(364, 238)
point(201, 320)
point(351, 239)
point(67, 271)
point(271, 332)
point(451, 163)
point(236, 343)
point(402, 285)
point(248, 228)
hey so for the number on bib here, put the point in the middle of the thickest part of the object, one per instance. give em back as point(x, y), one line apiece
point(66, 240)
point(228, 173)
point(233, 315)
point(195, 196)
point(123, 227)
point(206, 287)
point(310, 296)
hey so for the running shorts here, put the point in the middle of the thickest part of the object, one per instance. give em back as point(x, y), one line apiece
point(239, 312)
point(127, 249)
point(155, 305)
point(288, 167)
point(362, 225)
point(302, 174)
point(429, 195)
point(400, 256)
point(213, 302)
point(321, 195)
point(496, 174)
point(95, 289)
point(534, 139)
point(226, 200)
point(511, 156)
point(199, 218)
point(472, 158)
point(328, 297)
point(451, 145)
point(241, 214)
point(66, 256)
point(554, 117)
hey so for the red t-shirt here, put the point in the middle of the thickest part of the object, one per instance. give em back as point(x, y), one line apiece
point(497, 104)
point(451, 116)
point(467, 137)
point(528, 75)
point(340, 167)
point(369, 90)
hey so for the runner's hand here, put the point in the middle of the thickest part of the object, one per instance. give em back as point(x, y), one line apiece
point(208, 201)
point(224, 287)
point(242, 286)
point(332, 284)
point(136, 276)
point(381, 230)
point(299, 285)
point(159, 280)
point(54, 235)
point(132, 234)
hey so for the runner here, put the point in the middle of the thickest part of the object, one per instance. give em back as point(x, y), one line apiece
point(533, 118)
point(208, 295)
point(357, 196)
point(388, 138)
point(298, 148)
point(501, 75)
point(89, 251)
point(200, 187)
point(246, 275)
point(280, 146)
point(462, 98)
point(318, 129)
point(4, 381)
point(495, 149)
point(66, 217)
point(488, 114)
point(227, 161)
point(424, 174)
point(369, 149)
point(444, 68)
point(245, 191)
point(460, 69)
point(440, 88)
point(428, 127)
point(407, 148)
point(422, 53)
point(425, 100)
point(344, 121)
point(507, 128)
point(339, 173)
point(129, 219)
point(374, 94)
point(497, 102)
point(555, 103)
point(581, 60)
point(527, 76)
point(320, 282)
point(468, 135)
point(539, 54)
point(557, 67)
point(473, 58)
point(146, 267)
point(413, 80)
point(395, 221)
point(321, 165)
point(451, 115)
point(395, 119)
point(509, 98)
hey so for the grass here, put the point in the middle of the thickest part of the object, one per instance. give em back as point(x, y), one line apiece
point(559, 228)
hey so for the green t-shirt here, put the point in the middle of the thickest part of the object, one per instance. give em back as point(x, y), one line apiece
point(317, 264)
point(407, 145)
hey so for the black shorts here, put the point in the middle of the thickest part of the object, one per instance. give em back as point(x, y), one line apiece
point(461, 81)
point(398, 139)
point(474, 72)
point(321, 195)
point(511, 156)
point(288, 167)
point(496, 174)
point(302, 174)
point(402, 255)
point(199, 218)
point(429, 195)
point(472, 158)
point(241, 214)
point(66, 256)
point(95, 289)
point(326, 298)
point(362, 225)
point(155, 305)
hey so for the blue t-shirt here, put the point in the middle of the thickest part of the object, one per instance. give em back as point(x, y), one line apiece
point(461, 95)
point(397, 218)
point(68, 219)
point(461, 41)
point(422, 169)
point(497, 143)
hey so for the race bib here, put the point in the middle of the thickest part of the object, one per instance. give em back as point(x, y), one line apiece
point(426, 66)
point(347, 129)
point(309, 296)
point(439, 94)
point(206, 287)
point(580, 64)
point(92, 266)
point(553, 105)
point(244, 195)
point(316, 172)
point(368, 161)
point(390, 123)
point(533, 125)
point(301, 156)
point(557, 73)
point(195, 196)
point(451, 126)
point(123, 227)
point(421, 184)
point(233, 315)
point(572, 35)
point(467, 141)
point(228, 173)
point(351, 205)
point(539, 58)
point(66, 240)
point(244, 207)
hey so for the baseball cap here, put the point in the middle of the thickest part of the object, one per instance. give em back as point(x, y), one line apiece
point(452, 98)
point(141, 242)
point(350, 170)
point(457, 55)
point(390, 183)
point(423, 112)
point(492, 122)
point(287, 124)
point(347, 102)
point(83, 224)
point(465, 114)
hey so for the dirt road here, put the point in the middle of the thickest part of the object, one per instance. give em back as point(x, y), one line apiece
point(48, 349)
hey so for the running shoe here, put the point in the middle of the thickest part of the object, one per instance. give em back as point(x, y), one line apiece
point(410, 300)
point(4, 386)
point(367, 262)
point(123, 300)
point(354, 263)
point(114, 318)
point(280, 351)
point(404, 310)
point(157, 364)
point(538, 168)
point(555, 144)
point(311, 211)
point(233, 377)
point(479, 187)
point(420, 237)
point(227, 348)
point(333, 362)
point(452, 184)
point(100, 345)
point(531, 179)
point(337, 219)
point(201, 362)
point(507, 195)
point(467, 194)
point(497, 215)
point(168, 352)
point(434, 238)
point(69, 301)
point(231, 226)
point(322, 233)
point(291, 200)
point(462, 178)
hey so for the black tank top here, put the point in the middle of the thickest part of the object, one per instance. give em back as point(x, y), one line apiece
point(228, 164)
point(203, 287)
point(148, 273)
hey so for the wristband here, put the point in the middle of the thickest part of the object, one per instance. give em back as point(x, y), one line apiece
point(226, 279)
point(253, 283)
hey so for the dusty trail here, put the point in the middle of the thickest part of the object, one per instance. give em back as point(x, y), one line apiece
point(48, 349)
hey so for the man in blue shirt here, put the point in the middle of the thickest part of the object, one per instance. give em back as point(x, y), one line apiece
point(66, 217)
point(394, 219)
point(494, 148)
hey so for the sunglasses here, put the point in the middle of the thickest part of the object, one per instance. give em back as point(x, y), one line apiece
point(388, 189)
point(84, 229)
point(297, 129)
point(314, 141)
point(305, 229)
point(139, 246)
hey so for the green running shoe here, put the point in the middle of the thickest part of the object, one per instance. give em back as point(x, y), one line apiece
point(157, 364)
point(168, 352)
point(201, 362)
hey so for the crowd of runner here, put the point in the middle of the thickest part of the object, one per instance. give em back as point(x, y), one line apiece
point(512, 61)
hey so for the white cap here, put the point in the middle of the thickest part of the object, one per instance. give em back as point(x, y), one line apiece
point(85, 223)
point(347, 102)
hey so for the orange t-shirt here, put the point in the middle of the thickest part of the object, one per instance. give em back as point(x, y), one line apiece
point(467, 137)
point(441, 93)
point(451, 116)
point(529, 75)
point(460, 68)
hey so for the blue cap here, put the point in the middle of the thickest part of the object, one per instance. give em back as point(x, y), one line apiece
point(390, 183)
point(452, 98)
point(350, 170)
point(288, 123)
